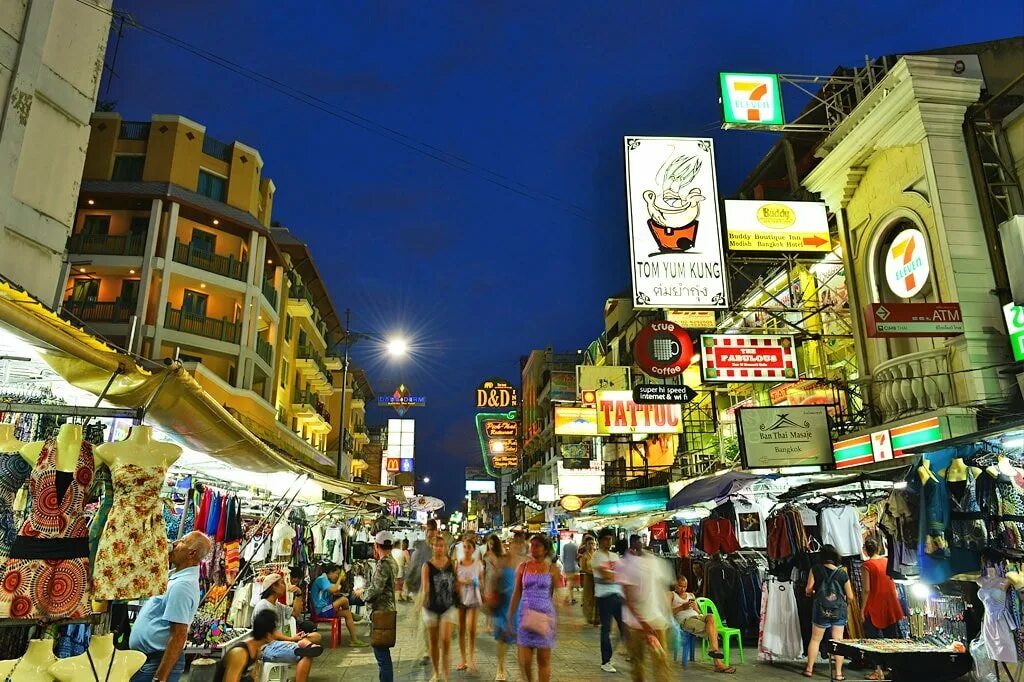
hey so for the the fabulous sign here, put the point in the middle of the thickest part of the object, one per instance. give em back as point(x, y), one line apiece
point(617, 413)
point(777, 226)
point(401, 400)
point(913, 319)
point(674, 227)
point(772, 437)
point(748, 358)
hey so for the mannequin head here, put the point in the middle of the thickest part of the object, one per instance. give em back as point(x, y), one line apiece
point(190, 550)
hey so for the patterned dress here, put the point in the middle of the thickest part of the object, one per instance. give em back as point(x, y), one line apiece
point(47, 574)
point(131, 562)
point(14, 471)
point(537, 597)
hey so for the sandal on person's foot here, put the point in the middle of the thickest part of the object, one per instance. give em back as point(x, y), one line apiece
point(461, 666)
point(357, 643)
point(718, 655)
point(311, 651)
point(808, 673)
point(839, 678)
point(726, 670)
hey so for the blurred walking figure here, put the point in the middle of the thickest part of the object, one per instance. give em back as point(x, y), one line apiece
point(571, 568)
point(400, 553)
point(470, 573)
point(585, 560)
point(423, 550)
point(501, 582)
point(439, 612)
point(535, 584)
point(646, 581)
point(608, 595)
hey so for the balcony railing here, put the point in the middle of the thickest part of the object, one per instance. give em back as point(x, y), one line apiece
point(115, 312)
point(309, 398)
point(270, 293)
point(228, 266)
point(134, 130)
point(221, 330)
point(617, 479)
point(107, 245)
point(912, 384)
point(306, 352)
point(265, 351)
point(217, 149)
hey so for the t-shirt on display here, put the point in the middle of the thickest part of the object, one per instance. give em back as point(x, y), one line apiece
point(840, 527)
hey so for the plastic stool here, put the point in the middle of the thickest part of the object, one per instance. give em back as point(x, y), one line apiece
point(685, 646)
point(335, 628)
point(277, 672)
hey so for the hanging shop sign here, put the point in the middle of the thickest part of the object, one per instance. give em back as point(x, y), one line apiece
point(579, 480)
point(500, 462)
point(913, 319)
point(583, 451)
point(748, 358)
point(907, 266)
point(692, 319)
point(649, 394)
point(528, 502)
point(477, 486)
point(885, 444)
point(496, 394)
point(401, 400)
point(547, 492)
point(393, 465)
point(407, 466)
point(498, 433)
point(674, 227)
point(1015, 326)
point(575, 421)
point(772, 437)
point(777, 226)
point(617, 413)
point(571, 503)
point(501, 428)
point(602, 378)
point(563, 386)
point(751, 100)
point(662, 349)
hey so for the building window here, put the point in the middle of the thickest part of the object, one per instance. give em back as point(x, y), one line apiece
point(194, 303)
point(185, 359)
point(203, 241)
point(96, 225)
point(129, 292)
point(128, 168)
point(139, 227)
point(232, 375)
point(287, 328)
point(85, 291)
point(284, 374)
point(212, 186)
point(302, 337)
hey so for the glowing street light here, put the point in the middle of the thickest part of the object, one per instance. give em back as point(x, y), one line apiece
point(397, 347)
point(426, 479)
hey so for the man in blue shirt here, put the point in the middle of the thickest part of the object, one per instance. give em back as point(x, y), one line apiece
point(329, 602)
point(161, 628)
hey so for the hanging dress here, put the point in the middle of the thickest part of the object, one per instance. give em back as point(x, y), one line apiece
point(103, 486)
point(997, 630)
point(966, 522)
point(47, 574)
point(14, 471)
point(131, 562)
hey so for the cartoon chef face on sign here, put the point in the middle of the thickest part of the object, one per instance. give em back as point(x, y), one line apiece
point(675, 205)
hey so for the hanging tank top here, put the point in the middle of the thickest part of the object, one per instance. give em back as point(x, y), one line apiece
point(442, 588)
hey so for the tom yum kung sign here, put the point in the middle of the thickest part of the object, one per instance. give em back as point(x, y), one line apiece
point(674, 226)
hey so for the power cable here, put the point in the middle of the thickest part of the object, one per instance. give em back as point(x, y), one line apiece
point(353, 118)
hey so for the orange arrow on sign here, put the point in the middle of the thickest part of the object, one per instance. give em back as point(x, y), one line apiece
point(814, 241)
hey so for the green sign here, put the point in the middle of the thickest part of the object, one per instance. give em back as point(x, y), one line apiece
point(751, 100)
point(1015, 325)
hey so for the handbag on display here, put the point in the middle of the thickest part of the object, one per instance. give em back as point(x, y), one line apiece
point(536, 622)
point(384, 628)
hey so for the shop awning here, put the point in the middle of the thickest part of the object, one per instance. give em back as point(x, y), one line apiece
point(632, 501)
point(714, 488)
point(174, 402)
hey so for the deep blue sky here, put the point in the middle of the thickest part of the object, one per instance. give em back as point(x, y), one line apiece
point(539, 92)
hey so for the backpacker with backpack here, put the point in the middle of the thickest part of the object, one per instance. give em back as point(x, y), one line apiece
point(830, 598)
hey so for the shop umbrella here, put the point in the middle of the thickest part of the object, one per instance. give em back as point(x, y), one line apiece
point(711, 489)
point(425, 503)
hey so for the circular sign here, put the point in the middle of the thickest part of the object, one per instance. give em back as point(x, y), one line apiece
point(571, 503)
point(906, 263)
point(663, 349)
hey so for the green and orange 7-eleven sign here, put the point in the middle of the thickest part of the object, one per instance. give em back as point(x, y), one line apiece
point(751, 100)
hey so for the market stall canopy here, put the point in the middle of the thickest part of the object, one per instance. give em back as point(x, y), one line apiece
point(829, 482)
point(714, 488)
point(172, 399)
point(632, 501)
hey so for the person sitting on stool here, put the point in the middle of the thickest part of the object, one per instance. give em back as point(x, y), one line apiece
point(684, 610)
point(328, 602)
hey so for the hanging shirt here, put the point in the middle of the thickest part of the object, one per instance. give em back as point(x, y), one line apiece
point(750, 530)
point(282, 539)
point(840, 527)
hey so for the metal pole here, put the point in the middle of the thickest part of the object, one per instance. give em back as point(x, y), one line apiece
point(344, 389)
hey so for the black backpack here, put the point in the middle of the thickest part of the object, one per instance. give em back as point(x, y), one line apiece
point(829, 594)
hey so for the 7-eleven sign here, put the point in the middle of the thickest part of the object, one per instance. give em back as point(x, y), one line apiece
point(907, 266)
point(751, 100)
point(1015, 325)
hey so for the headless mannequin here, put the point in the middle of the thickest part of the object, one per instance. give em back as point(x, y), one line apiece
point(924, 471)
point(8, 443)
point(1002, 466)
point(139, 449)
point(101, 648)
point(69, 445)
point(35, 664)
point(957, 471)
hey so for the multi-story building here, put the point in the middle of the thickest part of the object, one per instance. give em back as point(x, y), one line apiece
point(51, 54)
point(173, 257)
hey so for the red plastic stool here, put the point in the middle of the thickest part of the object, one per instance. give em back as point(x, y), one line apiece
point(335, 628)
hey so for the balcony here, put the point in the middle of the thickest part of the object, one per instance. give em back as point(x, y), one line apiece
point(107, 245)
point(311, 364)
point(134, 130)
point(620, 478)
point(227, 266)
point(265, 351)
point(306, 406)
point(270, 293)
point(217, 149)
point(912, 384)
point(221, 330)
point(111, 312)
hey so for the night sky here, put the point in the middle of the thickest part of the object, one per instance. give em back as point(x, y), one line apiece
point(516, 235)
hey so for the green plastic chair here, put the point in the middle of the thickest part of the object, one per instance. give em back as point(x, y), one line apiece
point(725, 634)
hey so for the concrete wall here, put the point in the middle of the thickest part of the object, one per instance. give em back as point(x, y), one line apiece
point(51, 61)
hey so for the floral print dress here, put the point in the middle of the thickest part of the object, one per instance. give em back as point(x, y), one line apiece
point(47, 574)
point(131, 562)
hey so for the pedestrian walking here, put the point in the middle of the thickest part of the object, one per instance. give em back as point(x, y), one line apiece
point(379, 595)
point(422, 551)
point(646, 580)
point(571, 568)
point(535, 583)
point(501, 582)
point(608, 595)
point(400, 553)
point(830, 586)
point(470, 573)
point(882, 610)
point(585, 560)
point(439, 612)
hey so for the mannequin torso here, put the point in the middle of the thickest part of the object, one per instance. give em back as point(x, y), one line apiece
point(924, 471)
point(121, 664)
point(139, 449)
point(34, 666)
point(69, 445)
point(8, 443)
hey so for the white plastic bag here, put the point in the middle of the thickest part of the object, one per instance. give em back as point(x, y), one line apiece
point(984, 667)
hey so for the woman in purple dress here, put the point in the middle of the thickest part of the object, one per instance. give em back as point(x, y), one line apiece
point(536, 579)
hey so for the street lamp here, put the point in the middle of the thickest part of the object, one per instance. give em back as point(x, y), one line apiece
point(396, 347)
point(426, 479)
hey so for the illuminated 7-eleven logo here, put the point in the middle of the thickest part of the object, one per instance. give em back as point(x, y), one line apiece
point(755, 94)
point(752, 98)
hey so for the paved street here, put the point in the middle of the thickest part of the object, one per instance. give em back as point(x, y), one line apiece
point(576, 657)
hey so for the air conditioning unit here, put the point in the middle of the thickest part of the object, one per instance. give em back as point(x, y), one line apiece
point(1011, 233)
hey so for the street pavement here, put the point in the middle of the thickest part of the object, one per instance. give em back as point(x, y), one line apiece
point(576, 657)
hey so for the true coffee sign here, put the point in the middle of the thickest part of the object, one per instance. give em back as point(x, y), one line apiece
point(663, 349)
point(617, 413)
